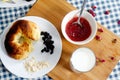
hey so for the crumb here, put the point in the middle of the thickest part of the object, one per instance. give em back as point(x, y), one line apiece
point(114, 40)
point(32, 65)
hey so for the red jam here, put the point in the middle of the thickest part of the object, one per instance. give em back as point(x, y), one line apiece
point(76, 32)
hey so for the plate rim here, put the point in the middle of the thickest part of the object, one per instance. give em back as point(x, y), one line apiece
point(5, 5)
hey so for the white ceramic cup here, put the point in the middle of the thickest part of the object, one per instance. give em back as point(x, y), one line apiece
point(82, 60)
point(88, 17)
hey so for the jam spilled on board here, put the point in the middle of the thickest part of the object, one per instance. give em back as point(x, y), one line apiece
point(77, 33)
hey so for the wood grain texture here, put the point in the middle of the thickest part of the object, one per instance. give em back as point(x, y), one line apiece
point(54, 11)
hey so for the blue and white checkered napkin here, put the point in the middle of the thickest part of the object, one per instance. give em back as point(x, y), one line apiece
point(110, 21)
point(8, 15)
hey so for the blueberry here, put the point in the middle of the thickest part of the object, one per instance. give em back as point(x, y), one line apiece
point(42, 33)
point(51, 52)
point(47, 50)
point(46, 34)
point(42, 50)
point(43, 38)
point(51, 42)
point(47, 42)
point(28, 0)
point(49, 37)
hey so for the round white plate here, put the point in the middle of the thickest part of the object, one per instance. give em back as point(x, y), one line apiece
point(17, 3)
point(17, 66)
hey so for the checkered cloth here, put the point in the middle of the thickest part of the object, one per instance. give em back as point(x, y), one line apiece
point(8, 15)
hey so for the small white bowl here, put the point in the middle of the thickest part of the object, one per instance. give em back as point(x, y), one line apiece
point(82, 60)
point(88, 17)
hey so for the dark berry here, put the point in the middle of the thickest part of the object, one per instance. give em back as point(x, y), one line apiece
point(28, 0)
point(47, 50)
point(114, 40)
point(42, 33)
point(118, 22)
point(43, 50)
point(43, 38)
point(97, 37)
point(92, 12)
point(107, 12)
point(49, 37)
point(51, 42)
point(48, 42)
point(100, 29)
point(51, 52)
point(46, 34)
point(112, 58)
point(102, 60)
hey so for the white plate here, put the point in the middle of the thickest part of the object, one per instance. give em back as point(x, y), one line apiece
point(17, 66)
point(17, 4)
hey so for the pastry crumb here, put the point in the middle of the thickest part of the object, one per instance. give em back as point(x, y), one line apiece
point(32, 65)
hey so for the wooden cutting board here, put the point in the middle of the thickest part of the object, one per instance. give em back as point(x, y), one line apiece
point(54, 11)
